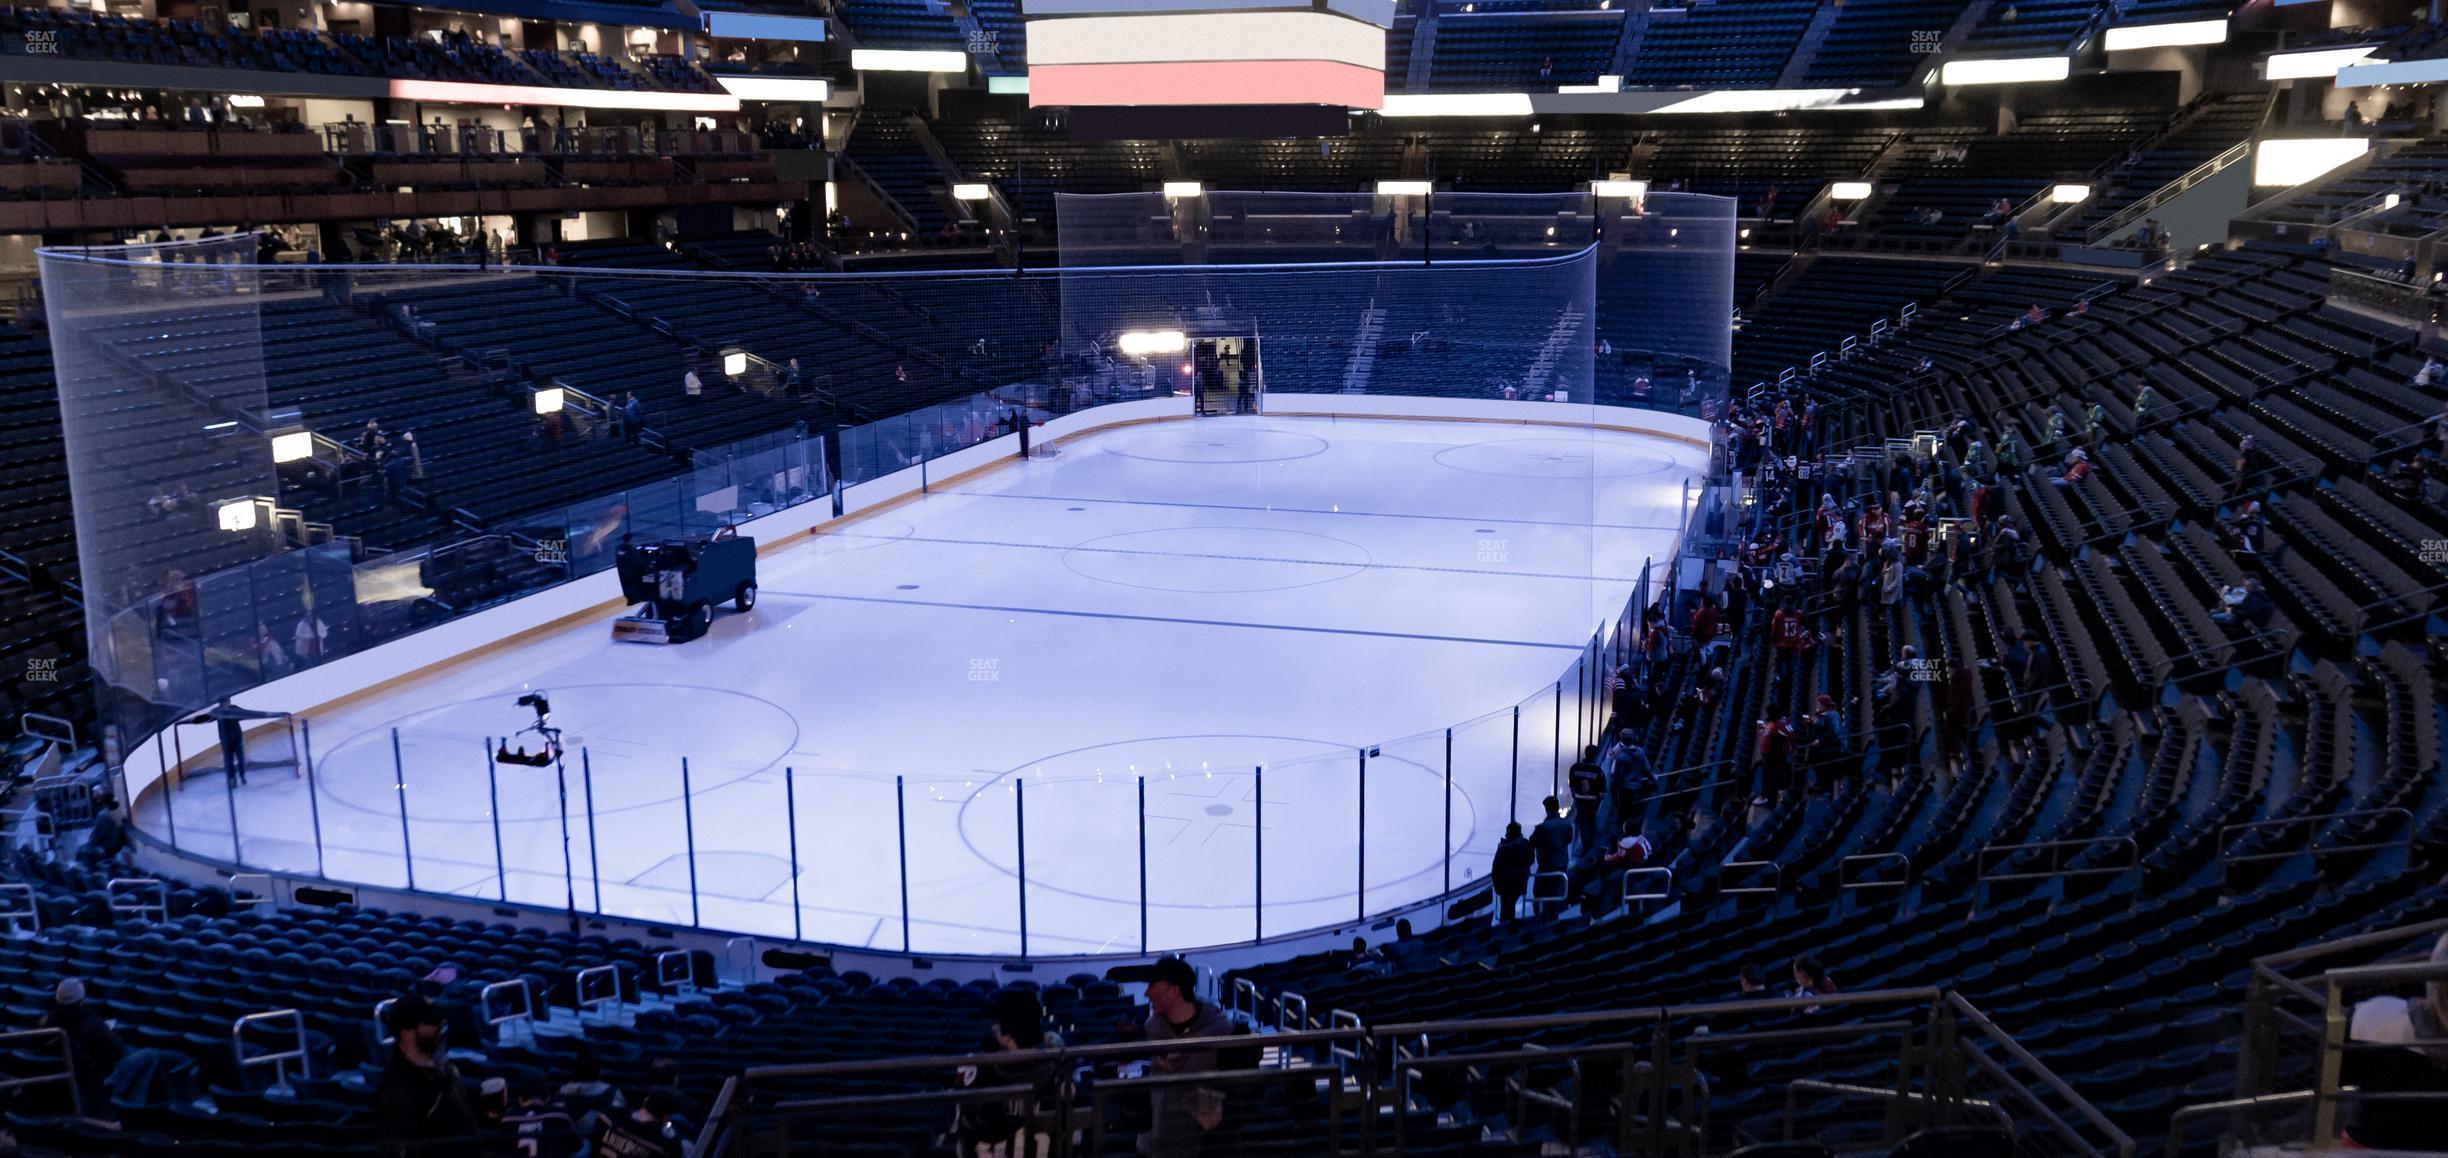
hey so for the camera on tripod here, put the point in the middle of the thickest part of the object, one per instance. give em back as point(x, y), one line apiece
point(544, 757)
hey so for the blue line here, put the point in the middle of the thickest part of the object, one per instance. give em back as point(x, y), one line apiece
point(1316, 511)
point(1115, 615)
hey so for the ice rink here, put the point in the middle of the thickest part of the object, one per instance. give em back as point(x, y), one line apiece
point(1016, 683)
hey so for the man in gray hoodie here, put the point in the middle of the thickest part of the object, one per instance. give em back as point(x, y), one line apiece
point(1185, 1118)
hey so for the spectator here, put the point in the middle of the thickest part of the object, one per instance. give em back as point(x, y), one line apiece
point(2077, 468)
point(691, 385)
point(1183, 1118)
point(2430, 372)
point(1552, 840)
point(108, 837)
point(1749, 984)
point(1003, 1127)
point(2143, 404)
point(1587, 783)
point(791, 380)
point(1365, 961)
point(307, 640)
point(270, 660)
point(1510, 871)
point(2245, 603)
point(1775, 752)
point(2248, 461)
point(1811, 979)
point(633, 415)
point(93, 1046)
point(420, 1104)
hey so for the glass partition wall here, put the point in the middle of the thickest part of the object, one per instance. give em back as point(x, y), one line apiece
point(277, 468)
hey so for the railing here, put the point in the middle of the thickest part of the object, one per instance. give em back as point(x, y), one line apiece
point(2142, 208)
point(2058, 854)
point(286, 1024)
point(142, 897)
point(2284, 1011)
point(1632, 890)
point(1628, 1059)
point(2230, 835)
point(1775, 874)
point(20, 910)
point(65, 1075)
point(1844, 871)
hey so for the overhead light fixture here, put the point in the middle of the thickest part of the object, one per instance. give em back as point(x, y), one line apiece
point(2319, 63)
point(2021, 70)
point(1007, 85)
point(1850, 191)
point(1180, 189)
point(633, 100)
point(2293, 162)
point(2069, 194)
point(1457, 104)
point(292, 446)
point(1606, 84)
point(245, 100)
point(2190, 32)
point(236, 515)
point(1616, 187)
point(550, 400)
point(1141, 343)
point(1404, 188)
point(972, 191)
point(811, 90)
point(735, 364)
point(909, 60)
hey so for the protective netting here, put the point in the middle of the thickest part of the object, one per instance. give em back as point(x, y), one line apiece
point(1504, 329)
point(1663, 284)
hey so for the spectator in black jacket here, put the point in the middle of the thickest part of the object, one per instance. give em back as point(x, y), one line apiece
point(1510, 871)
point(93, 1046)
point(420, 1104)
point(1552, 840)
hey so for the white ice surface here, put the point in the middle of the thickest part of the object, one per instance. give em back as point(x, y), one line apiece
point(1171, 605)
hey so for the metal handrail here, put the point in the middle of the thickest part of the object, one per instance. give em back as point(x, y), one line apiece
point(21, 911)
point(1966, 1010)
point(256, 897)
point(2229, 833)
point(731, 955)
point(1776, 876)
point(127, 895)
point(1284, 1003)
point(278, 1059)
point(2184, 1114)
point(67, 1065)
point(525, 1010)
point(1849, 1089)
point(2139, 209)
point(1843, 866)
point(1647, 872)
point(2056, 848)
point(586, 1004)
point(682, 980)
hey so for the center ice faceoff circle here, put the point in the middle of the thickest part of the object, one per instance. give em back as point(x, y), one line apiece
point(1203, 811)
